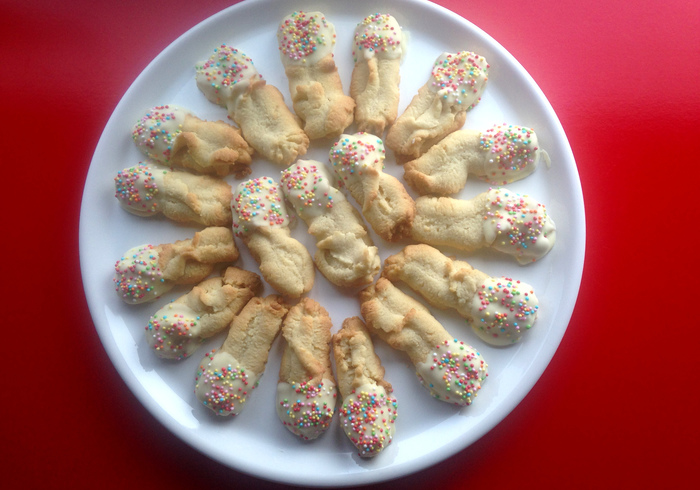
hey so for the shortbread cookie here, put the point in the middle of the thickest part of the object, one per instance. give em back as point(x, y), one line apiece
point(345, 253)
point(358, 161)
point(229, 79)
point(226, 377)
point(440, 107)
point(499, 309)
point(509, 222)
point(306, 42)
point(148, 190)
point(500, 155)
point(179, 328)
point(261, 220)
point(306, 391)
point(451, 370)
point(175, 137)
point(368, 412)
point(146, 272)
point(378, 49)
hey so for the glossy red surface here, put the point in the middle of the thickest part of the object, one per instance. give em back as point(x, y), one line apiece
point(618, 405)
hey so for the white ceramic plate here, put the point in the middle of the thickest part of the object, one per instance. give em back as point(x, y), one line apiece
point(427, 430)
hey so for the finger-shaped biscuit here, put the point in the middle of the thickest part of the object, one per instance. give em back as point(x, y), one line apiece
point(451, 370)
point(378, 49)
point(306, 392)
point(345, 253)
point(306, 41)
point(506, 221)
point(145, 272)
point(440, 107)
point(229, 78)
point(358, 162)
point(179, 328)
point(500, 310)
point(261, 220)
point(175, 137)
point(368, 412)
point(147, 190)
point(226, 377)
point(499, 155)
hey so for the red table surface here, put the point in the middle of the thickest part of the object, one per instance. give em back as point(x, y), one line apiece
point(617, 406)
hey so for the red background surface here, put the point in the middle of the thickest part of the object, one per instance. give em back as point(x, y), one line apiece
point(618, 405)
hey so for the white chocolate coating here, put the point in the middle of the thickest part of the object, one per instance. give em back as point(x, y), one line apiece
point(306, 410)
point(367, 417)
point(305, 38)
point(223, 385)
point(137, 189)
point(155, 133)
point(518, 225)
point(225, 75)
point(137, 276)
point(308, 188)
point(378, 36)
point(503, 310)
point(258, 203)
point(173, 331)
point(510, 153)
point(459, 78)
point(351, 154)
point(453, 372)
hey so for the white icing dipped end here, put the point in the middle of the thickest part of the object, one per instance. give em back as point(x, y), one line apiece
point(137, 275)
point(453, 372)
point(308, 188)
point(173, 332)
point(222, 384)
point(459, 79)
point(378, 36)
point(306, 409)
point(503, 310)
point(137, 188)
point(367, 417)
point(258, 203)
point(305, 38)
point(225, 75)
point(518, 225)
point(352, 154)
point(509, 153)
point(155, 132)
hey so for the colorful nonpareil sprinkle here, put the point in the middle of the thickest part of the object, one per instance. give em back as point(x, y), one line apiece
point(307, 408)
point(306, 187)
point(258, 202)
point(155, 133)
point(222, 384)
point(460, 78)
point(138, 277)
point(352, 154)
point(377, 35)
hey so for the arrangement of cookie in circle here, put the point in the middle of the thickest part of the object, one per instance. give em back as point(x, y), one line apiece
point(203, 173)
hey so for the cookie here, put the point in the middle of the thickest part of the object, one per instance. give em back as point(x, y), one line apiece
point(146, 272)
point(456, 83)
point(506, 221)
point(499, 309)
point(306, 42)
point(261, 220)
point(358, 161)
point(306, 391)
point(377, 52)
point(226, 377)
point(368, 411)
point(148, 190)
point(175, 137)
point(500, 155)
point(229, 78)
point(345, 254)
point(449, 369)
